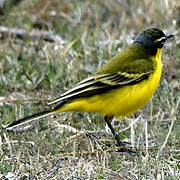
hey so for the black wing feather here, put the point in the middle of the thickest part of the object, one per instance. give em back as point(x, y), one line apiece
point(99, 84)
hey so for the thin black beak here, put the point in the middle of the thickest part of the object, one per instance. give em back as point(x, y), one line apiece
point(169, 36)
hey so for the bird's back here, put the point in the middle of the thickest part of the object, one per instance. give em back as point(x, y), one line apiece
point(135, 59)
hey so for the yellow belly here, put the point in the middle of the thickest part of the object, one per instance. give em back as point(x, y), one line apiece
point(119, 102)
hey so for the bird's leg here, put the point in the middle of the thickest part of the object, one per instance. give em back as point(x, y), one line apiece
point(108, 120)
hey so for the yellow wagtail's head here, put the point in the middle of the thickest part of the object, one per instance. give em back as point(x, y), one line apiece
point(152, 39)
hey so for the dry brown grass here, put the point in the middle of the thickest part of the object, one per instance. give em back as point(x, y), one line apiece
point(76, 145)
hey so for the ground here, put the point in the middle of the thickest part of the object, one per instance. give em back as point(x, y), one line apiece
point(35, 69)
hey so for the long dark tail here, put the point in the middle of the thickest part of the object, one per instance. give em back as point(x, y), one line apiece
point(29, 119)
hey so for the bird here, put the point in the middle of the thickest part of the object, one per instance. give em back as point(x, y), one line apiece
point(119, 88)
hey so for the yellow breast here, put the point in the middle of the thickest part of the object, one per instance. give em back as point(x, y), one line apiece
point(129, 99)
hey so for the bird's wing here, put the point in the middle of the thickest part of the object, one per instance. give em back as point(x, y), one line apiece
point(100, 84)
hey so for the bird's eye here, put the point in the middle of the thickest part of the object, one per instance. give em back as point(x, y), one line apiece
point(160, 42)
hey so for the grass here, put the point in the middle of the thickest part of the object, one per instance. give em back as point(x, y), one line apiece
point(77, 145)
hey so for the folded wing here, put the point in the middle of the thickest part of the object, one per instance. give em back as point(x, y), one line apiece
point(100, 84)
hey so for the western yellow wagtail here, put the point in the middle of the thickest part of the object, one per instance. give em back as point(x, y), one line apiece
point(119, 88)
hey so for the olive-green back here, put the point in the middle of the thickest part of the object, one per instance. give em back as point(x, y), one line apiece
point(134, 59)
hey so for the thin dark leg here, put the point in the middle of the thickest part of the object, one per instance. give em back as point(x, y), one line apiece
point(108, 120)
